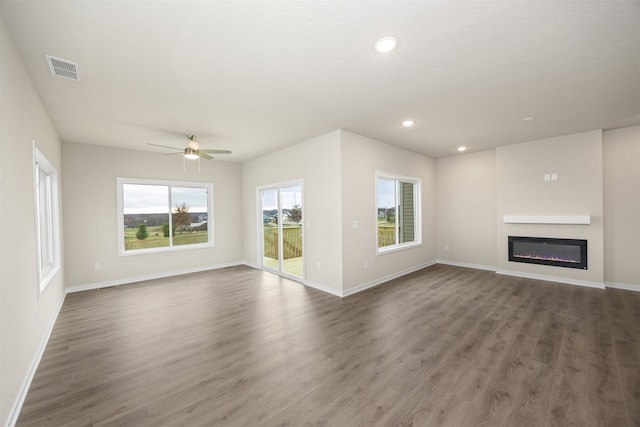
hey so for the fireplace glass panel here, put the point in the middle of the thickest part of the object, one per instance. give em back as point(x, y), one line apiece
point(569, 253)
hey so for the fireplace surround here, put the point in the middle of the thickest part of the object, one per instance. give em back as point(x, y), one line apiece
point(569, 253)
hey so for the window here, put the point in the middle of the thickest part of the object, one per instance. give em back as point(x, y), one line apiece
point(47, 220)
point(157, 216)
point(398, 212)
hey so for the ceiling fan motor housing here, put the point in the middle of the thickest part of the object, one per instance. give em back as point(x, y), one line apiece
point(193, 143)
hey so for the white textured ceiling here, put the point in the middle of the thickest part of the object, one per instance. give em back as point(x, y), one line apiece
point(256, 76)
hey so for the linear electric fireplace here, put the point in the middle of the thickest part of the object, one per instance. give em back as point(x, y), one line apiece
point(570, 253)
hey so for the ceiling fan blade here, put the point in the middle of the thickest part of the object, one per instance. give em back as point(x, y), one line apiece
point(164, 146)
point(216, 151)
point(173, 154)
point(205, 155)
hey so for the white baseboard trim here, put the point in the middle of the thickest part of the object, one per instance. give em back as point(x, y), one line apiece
point(303, 282)
point(129, 280)
point(252, 265)
point(381, 280)
point(624, 286)
point(17, 405)
point(350, 291)
point(323, 288)
point(466, 265)
point(586, 283)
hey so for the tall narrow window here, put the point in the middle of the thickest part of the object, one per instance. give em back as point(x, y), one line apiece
point(164, 215)
point(47, 220)
point(398, 211)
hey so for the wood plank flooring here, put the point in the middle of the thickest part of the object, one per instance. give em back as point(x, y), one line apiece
point(444, 346)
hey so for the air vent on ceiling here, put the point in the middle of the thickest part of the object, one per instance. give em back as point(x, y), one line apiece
point(63, 68)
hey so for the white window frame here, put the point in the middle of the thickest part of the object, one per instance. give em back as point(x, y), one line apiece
point(417, 209)
point(120, 181)
point(47, 218)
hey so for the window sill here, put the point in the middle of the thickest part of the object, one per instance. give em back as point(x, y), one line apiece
point(44, 282)
point(165, 249)
point(397, 248)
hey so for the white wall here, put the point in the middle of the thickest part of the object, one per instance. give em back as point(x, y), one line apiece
point(338, 170)
point(91, 236)
point(621, 150)
point(25, 316)
point(522, 190)
point(317, 162)
point(467, 196)
point(361, 158)
point(466, 205)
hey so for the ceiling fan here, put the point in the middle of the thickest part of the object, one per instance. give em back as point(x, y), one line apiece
point(192, 151)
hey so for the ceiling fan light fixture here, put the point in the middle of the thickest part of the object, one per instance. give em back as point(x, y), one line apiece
point(191, 154)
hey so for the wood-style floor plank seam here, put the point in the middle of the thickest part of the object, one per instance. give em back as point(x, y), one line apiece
point(443, 346)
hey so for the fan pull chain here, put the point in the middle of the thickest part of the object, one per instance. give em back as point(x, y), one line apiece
point(184, 164)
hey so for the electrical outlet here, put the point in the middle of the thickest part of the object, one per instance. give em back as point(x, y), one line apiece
point(97, 266)
point(446, 247)
point(366, 265)
point(319, 265)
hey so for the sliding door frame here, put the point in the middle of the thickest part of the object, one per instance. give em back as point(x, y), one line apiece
point(278, 186)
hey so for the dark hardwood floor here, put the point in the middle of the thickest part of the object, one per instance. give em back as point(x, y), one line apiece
point(444, 346)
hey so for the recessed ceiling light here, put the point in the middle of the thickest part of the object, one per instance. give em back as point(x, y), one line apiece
point(385, 44)
point(408, 123)
point(528, 119)
point(462, 148)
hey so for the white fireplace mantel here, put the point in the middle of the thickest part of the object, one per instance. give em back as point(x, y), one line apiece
point(547, 219)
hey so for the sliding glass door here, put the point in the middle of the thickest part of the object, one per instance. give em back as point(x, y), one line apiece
point(282, 231)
